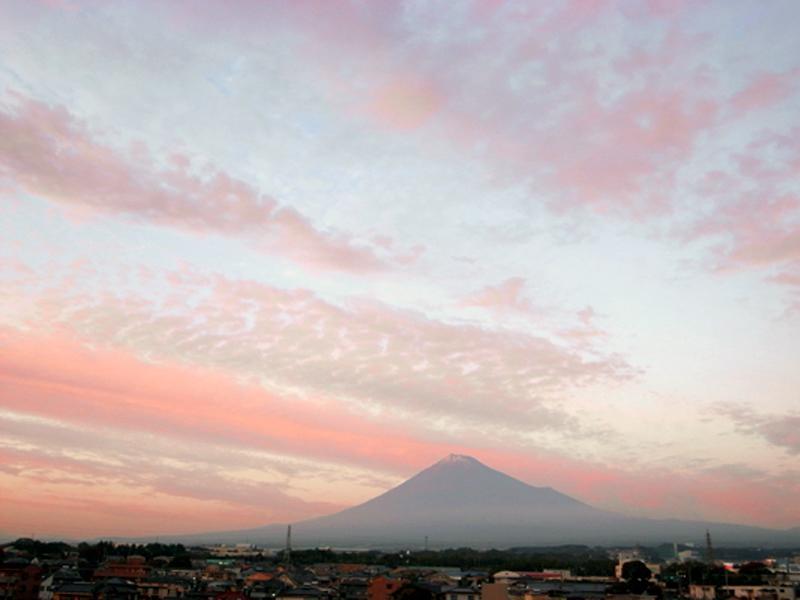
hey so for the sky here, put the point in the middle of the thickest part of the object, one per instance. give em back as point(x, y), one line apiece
point(260, 261)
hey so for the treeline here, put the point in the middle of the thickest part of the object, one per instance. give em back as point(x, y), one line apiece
point(95, 553)
point(578, 560)
point(38, 549)
point(684, 574)
point(104, 549)
point(724, 553)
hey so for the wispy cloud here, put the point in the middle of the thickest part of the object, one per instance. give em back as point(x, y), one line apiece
point(187, 412)
point(367, 355)
point(342, 240)
point(48, 153)
point(505, 296)
point(782, 430)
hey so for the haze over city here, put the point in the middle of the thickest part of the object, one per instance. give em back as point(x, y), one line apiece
point(263, 261)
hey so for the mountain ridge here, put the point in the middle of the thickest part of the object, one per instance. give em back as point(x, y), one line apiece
point(459, 501)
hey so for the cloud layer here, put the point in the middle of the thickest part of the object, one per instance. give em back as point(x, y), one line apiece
point(263, 261)
point(47, 153)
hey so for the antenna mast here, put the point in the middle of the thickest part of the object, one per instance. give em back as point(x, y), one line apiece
point(289, 545)
point(709, 548)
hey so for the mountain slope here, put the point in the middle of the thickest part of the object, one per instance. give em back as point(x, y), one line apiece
point(460, 501)
point(461, 484)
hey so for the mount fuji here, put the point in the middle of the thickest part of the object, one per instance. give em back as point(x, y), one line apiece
point(459, 501)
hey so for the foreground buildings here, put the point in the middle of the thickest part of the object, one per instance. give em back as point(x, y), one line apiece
point(249, 573)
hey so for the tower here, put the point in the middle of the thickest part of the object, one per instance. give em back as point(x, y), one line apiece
point(288, 553)
point(709, 548)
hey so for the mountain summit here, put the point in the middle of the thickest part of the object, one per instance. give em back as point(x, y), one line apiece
point(459, 501)
point(459, 459)
point(458, 484)
point(454, 500)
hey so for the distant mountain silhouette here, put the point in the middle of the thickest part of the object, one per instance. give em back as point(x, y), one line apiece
point(459, 501)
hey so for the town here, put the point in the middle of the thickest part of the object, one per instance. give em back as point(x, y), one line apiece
point(37, 570)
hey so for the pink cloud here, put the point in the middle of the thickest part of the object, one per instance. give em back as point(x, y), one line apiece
point(60, 378)
point(84, 512)
point(765, 90)
point(789, 277)
point(48, 153)
point(784, 246)
point(409, 365)
point(574, 14)
point(507, 297)
point(588, 125)
point(193, 389)
point(598, 130)
point(756, 216)
point(782, 430)
point(717, 494)
point(586, 331)
point(504, 296)
point(405, 102)
point(47, 464)
point(625, 148)
point(598, 151)
point(72, 383)
point(583, 149)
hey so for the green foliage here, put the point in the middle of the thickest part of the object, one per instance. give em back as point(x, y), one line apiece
point(636, 575)
point(682, 574)
point(92, 554)
point(752, 573)
point(316, 555)
point(579, 560)
point(180, 561)
point(636, 570)
point(37, 549)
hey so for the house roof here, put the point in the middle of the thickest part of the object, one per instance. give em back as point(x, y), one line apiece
point(76, 587)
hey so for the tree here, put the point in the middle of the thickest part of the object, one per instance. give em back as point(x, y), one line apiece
point(636, 573)
point(181, 561)
point(753, 572)
point(635, 570)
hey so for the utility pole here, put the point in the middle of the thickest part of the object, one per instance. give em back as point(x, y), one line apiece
point(288, 557)
point(709, 549)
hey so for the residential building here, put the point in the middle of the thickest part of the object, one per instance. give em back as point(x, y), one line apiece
point(382, 588)
point(132, 568)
